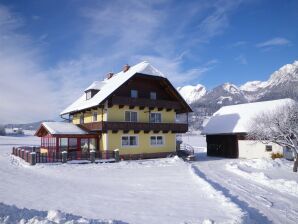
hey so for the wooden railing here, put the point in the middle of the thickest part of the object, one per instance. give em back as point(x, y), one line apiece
point(135, 126)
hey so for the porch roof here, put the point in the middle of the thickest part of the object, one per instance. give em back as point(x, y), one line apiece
point(59, 128)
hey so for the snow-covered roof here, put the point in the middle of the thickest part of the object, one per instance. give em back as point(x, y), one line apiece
point(62, 128)
point(237, 118)
point(108, 86)
point(97, 85)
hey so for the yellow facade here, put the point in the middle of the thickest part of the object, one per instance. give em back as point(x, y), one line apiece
point(111, 141)
point(143, 146)
point(117, 114)
point(88, 116)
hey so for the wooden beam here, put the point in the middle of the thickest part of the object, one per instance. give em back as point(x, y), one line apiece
point(169, 109)
point(114, 131)
point(160, 109)
point(125, 131)
point(131, 107)
point(121, 106)
point(165, 131)
point(142, 107)
point(136, 131)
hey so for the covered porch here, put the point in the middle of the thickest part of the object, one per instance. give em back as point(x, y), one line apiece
point(58, 137)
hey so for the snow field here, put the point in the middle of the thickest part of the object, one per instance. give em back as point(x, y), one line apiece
point(144, 191)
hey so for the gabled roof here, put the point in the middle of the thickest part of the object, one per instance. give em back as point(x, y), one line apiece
point(108, 86)
point(237, 118)
point(59, 128)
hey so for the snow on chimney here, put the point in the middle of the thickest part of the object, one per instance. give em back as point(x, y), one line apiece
point(126, 68)
point(110, 75)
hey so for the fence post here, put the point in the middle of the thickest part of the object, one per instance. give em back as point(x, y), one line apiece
point(23, 153)
point(32, 158)
point(92, 156)
point(117, 155)
point(64, 156)
point(19, 152)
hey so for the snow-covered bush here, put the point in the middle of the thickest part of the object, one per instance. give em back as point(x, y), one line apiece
point(280, 127)
point(2, 129)
point(276, 155)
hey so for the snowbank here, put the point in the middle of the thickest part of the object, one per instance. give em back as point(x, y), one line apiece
point(282, 185)
point(12, 214)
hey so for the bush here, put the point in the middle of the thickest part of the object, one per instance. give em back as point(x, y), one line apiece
point(276, 155)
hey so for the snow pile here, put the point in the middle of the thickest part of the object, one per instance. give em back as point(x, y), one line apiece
point(261, 164)
point(11, 214)
point(282, 185)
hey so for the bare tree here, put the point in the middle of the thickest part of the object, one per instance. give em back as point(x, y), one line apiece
point(280, 127)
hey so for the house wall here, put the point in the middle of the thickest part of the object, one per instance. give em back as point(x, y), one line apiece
point(88, 116)
point(114, 142)
point(252, 149)
point(118, 114)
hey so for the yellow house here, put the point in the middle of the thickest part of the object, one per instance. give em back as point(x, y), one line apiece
point(133, 111)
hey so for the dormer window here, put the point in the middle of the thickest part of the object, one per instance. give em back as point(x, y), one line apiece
point(134, 93)
point(90, 93)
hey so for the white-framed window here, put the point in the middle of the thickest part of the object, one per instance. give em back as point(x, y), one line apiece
point(94, 116)
point(131, 116)
point(155, 117)
point(134, 93)
point(153, 95)
point(82, 119)
point(156, 140)
point(88, 95)
point(129, 141)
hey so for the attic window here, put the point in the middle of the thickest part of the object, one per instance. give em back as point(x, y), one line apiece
point(134, 93)
point(90, 93)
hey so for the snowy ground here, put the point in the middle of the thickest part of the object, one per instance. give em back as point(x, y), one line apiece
point(150, 191)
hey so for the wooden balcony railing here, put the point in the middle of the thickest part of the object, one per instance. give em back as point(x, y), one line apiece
point(135, 126)
point(142, 102)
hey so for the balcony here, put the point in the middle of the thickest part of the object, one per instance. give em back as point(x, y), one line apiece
point(135, 126)
point(142, 103)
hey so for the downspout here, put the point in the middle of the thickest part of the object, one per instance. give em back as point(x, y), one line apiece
point(65, 118)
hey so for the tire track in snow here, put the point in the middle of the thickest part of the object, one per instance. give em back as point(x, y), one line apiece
point(249, 215)
point(273, 204)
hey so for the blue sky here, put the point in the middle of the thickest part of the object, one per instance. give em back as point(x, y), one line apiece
point(51, 50)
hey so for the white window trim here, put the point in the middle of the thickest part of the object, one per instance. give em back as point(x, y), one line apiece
point(155, 113)
point(130, 146)
point(163, 141)
point(131, 111)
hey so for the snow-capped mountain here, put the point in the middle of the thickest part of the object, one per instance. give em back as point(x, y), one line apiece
point(192, 93)
point(225, 94)
point(283, 83)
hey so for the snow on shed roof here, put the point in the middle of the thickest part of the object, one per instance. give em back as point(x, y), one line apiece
point(108, 86)
point(237, 118)
point(56, 128)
